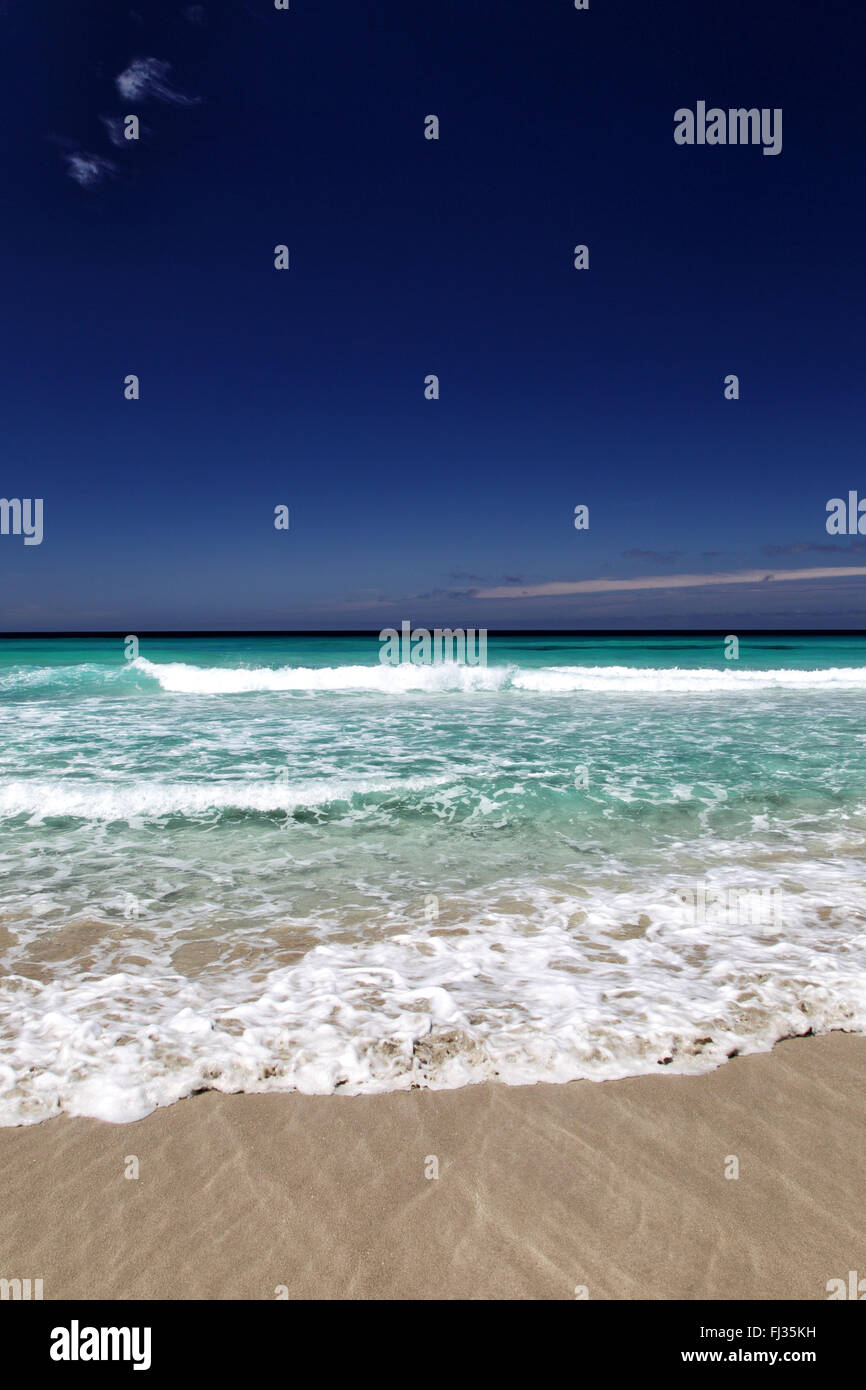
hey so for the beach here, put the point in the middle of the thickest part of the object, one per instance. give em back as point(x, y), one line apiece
point(615, 1189)
point(323, 976)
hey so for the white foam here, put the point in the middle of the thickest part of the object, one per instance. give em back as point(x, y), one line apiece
point(42, 797)
point(676, 681)
point(181, 678)
point(542, 985)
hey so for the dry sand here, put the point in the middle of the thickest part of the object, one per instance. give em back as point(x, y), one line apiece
point(618, 1186)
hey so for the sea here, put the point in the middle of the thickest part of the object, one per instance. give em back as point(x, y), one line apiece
point(250, 863)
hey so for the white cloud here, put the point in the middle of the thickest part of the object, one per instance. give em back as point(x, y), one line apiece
point(88, 169)
point(114, 126)
point(556, 588)
point(148, 77)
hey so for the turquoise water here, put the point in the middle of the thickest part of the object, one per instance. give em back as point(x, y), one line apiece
point(257, 864)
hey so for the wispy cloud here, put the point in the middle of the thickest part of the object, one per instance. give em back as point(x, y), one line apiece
point(824, 547)
point(147, 78)
point(556, 588)
point(654, 557)
point(88, 170)
point(114, 127)
point(468, 577)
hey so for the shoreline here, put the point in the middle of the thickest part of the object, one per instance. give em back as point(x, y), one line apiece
point(617, 1187)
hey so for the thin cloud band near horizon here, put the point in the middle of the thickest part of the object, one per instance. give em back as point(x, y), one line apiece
point(561, 588)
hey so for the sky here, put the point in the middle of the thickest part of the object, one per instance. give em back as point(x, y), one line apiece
point(410, 257)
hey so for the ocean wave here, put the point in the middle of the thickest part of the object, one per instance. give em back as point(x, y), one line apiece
point(42, 798)
point(181, 678)
point(26, 678)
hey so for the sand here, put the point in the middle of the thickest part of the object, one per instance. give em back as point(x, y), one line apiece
point(618, 1187)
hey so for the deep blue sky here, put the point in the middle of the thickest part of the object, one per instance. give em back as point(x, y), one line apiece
point(409, 257)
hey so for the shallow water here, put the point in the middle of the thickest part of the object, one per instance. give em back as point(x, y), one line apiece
point(262, 864)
